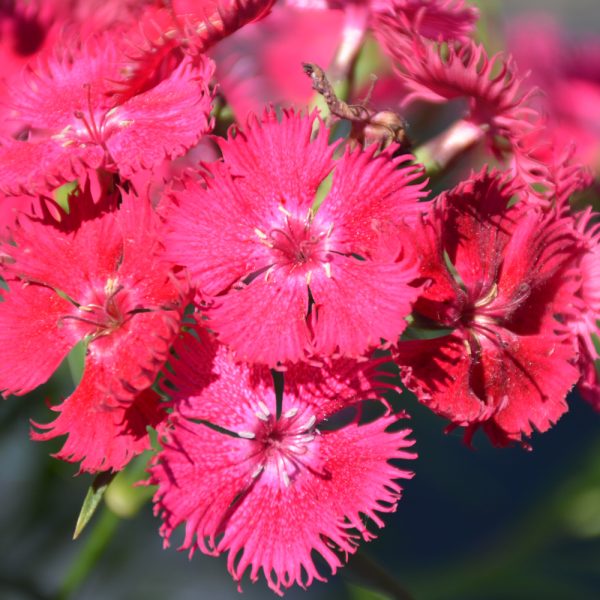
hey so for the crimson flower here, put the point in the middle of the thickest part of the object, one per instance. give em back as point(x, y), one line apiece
point(287, 279)
point(499, 276)
point(91, 275)
point(75, 123)
point(273, 489)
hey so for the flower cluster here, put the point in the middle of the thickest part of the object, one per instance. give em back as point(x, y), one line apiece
point(255, 293)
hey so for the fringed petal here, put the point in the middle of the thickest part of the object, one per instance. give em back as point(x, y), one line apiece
point(33, 336)
point(164, 122)
point(359, 302)
point(101, 434)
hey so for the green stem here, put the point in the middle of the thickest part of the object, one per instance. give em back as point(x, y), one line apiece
point(377, 577)
point(93, 549)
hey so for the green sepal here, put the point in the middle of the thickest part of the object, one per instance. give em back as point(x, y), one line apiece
point(92, 499)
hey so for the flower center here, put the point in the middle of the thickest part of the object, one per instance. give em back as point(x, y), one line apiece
point(297, 243)
point(285, 443)
point(104, 316)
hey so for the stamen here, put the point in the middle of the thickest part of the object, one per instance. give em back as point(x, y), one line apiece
point(247, 435)
point(489, 297)
point(308, 424)
point(327, 267)
point(292, 412)
point(284, 210)
point(260, 234)
point(264, 408)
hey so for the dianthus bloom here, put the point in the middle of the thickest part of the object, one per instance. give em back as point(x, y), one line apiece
point(75, 123)
point(499, 276)
point(582, 320)
point(91, 275)
point(273, 489)
point(568, 73)
point(448, 20)
point(288, 278)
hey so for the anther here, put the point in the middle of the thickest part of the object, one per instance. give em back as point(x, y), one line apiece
point(260, 234)
point(308, 424)
point(284, 210)
point(264, 408)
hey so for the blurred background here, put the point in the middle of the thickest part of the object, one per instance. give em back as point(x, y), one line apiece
point(474, 524)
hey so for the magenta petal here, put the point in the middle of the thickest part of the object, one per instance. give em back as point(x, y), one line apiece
point(518, 383)
point(495, 91)
point(33, 337)
point(360, 303)
point(369, 193)
point(68, 254)
point(54, 89)
point(529, 381)
point(280, 161)
point(448, 20)
point(211, 231)
point(265, 321)
point(42, 165)
point(163, 122)
point(216, 466)
point(102, 435)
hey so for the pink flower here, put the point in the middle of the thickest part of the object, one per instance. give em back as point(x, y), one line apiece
point(568, 72)
point(76, 124)
point(288, 279)
point(582, 319)
point(497, 98)
point(262, 63)
point(91, 275)
point(275, 489)
point(548, 164)
point(499, 276)
point(448, 20)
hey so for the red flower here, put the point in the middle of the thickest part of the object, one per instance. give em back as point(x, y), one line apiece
point(91, 275)
point(276, 488)
point(253, 239)
point(499, 276)
point(75, 124)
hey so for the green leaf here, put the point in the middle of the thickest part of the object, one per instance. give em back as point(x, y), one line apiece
point(92, 500)
point(62, 193)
